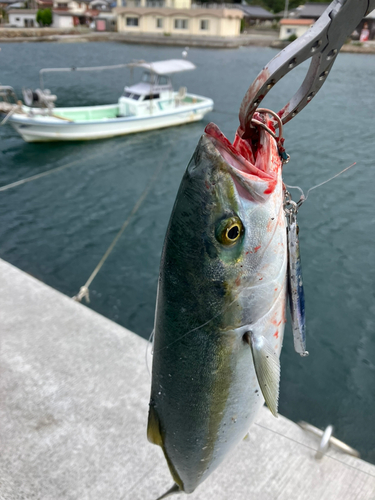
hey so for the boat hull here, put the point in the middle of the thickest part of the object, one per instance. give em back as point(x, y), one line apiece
point(40, 128)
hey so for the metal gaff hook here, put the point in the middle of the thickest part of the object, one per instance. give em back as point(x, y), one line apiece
point(321, 43)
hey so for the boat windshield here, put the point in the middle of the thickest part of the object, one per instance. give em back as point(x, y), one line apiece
point(148, 77)
point(132, 95)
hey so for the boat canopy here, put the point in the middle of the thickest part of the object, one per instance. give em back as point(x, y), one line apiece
point(167, 67)
point(159, 67)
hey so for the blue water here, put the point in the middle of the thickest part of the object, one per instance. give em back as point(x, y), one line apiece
point(57, 228)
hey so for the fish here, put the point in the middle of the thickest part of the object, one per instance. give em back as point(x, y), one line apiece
point(220, 308)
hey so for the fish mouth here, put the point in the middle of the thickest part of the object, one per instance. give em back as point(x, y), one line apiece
point(254, 166)
point(249, 162)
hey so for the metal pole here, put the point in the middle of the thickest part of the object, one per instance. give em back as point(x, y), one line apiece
point(286, 8)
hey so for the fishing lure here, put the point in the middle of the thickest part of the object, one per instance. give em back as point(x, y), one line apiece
point(295, 283)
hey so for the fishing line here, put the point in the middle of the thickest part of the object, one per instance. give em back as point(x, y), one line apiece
point(231, 303)
point(194, 329)
point(304, 198)
point(313, 449)
point(149, 343)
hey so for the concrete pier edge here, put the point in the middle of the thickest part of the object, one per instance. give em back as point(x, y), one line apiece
point(74, 399)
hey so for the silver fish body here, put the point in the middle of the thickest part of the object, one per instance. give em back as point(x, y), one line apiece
point(220, 311)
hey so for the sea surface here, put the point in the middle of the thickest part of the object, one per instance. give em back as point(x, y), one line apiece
point(58, 227)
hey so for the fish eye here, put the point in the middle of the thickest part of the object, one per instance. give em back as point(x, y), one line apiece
point(229, 231)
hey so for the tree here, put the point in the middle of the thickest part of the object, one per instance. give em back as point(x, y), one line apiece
point(44, 17)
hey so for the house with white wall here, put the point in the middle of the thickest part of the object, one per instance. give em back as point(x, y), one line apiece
point(22, 18)
point(75, 7)
point(297, 27)
point(69, 13)
point(198, 22)
point(62, 19)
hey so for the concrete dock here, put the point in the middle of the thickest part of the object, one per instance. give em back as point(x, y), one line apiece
point(74, 399)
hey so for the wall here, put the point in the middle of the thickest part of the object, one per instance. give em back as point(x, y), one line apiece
point(286, 30)
point(147, 24)
point(62, 21)
point(20, 23)
point(71, 6)
point(174, 4)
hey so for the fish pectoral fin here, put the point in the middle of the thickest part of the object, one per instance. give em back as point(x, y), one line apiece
point(267, 369)
point(175, 489)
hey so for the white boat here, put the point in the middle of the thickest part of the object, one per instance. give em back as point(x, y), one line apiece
point(150, 104)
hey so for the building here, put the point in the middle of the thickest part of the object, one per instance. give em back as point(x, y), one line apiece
point(72, 6)
point(22, 18)
point(296, 27)
point(101, 5)
point(254, 15)
point(202, 22)
point(62, 19)
point(70, 13)
point(44, 4)
point(106, 21)
point(310, 10)
point(173, 4)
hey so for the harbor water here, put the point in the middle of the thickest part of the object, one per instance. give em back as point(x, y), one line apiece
point(58, 227)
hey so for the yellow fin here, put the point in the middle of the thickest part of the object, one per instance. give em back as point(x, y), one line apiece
point(154, 436)
point(153, 428)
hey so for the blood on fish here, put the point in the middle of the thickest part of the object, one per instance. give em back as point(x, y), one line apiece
point(276, 334)
point(256, 249)
point(242, 150)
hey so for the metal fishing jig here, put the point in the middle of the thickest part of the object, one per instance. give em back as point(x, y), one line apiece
point(295, 283)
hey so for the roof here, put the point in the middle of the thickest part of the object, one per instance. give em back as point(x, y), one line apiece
point(167, 67)
point(32, 12)
point(165, 11)
point(309, 10)
point(254, 11)
point(94, 2)
point(80, 1)
point(297, 22)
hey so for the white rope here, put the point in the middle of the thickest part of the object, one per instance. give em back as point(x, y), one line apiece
point(53, 170)
point(14, 109)
point(84, 290)
point(43, 174)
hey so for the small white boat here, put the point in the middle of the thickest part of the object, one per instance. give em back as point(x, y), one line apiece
point(150, 104)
